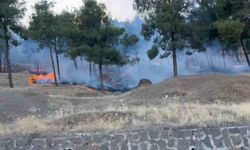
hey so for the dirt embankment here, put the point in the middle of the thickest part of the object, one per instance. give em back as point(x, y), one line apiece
point(16, 104)
point(203, 89)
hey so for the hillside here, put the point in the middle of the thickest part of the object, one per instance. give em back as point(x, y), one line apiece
point(209, 100)
point(214, 88)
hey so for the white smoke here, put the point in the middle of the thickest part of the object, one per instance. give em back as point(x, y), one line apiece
point(128, 76)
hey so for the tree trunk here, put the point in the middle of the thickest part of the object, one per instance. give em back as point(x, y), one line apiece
point(175, 66)
point(137, 59)
point(75, 63)
point(58, 66)
point(101, 77)
point(1, 70)
point(90, 70)
point(208, 63)
point(245, 52)
point(187, 63)
point(81, 58)
point(4, 64)
point(8, 64)
point(57, 61)
point(37, 65)
point(7, 60)
point(236, 53)
point(53, 66)
point(223, 57)
point(94, 70)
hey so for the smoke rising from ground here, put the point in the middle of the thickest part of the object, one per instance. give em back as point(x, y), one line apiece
point(128, 76)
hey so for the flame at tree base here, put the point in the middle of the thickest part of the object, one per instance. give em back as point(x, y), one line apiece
point(41, 78)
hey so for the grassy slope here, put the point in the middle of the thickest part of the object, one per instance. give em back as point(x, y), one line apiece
point(191, 101)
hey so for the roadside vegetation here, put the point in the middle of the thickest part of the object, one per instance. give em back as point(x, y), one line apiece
point(127, 117)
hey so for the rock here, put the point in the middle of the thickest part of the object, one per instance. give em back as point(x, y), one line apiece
point(144, 82)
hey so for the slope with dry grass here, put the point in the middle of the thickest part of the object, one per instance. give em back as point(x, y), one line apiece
point(172, 115)
point(212, 100)
point(214, 88)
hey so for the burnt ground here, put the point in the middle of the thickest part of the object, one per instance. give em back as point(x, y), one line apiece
point(80, 104)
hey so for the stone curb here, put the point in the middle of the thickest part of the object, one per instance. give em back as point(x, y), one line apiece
point(222, 138)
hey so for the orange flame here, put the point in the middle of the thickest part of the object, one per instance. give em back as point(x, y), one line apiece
point(36, 78)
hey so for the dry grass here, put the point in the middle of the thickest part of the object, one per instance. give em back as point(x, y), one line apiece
point(197, 115)
point(174, 114)
point(32, 124)
point(101, 125)
point(28, 125)
point(188, 114)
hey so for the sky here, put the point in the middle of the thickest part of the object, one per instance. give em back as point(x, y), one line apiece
point(121, 10)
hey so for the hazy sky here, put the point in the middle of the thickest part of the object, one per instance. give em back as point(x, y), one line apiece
point(122, 10)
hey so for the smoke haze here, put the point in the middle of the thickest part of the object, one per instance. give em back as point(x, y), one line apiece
point(128, 76)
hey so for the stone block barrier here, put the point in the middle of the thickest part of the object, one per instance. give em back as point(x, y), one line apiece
point(223, 138)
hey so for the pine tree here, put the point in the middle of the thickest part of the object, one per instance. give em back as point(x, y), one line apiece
point(95, 38)
point(10, 13)
point(166, 22)
point(43, 29)
point(233, 31)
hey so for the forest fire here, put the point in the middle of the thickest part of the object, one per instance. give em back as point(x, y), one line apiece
point(41, 77)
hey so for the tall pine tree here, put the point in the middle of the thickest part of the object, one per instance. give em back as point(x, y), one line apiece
point(166, 22)
point(44, 30)
point(11, 11)
point(96, 38)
